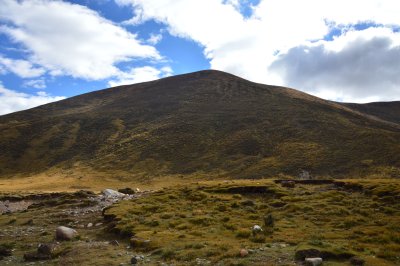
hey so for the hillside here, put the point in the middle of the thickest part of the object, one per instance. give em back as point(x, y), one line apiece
point(209, 123)
point(389, 111)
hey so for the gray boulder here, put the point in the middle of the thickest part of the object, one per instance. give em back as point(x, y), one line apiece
point(313, 261)
point(65, 233)
point(110, 193)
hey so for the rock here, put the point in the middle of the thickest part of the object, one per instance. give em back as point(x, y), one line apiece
point(5, 251)
point(257, 229)
point(313, 261)
point(114, 243)
point(98, 224)
point(357, 261)
point(137, 242)
point(127, 191)
point(109, 193)
point(48, 249)
point(89, 225)
point(134, 260)
point(65, 233)
point(304, 174)
point(243, 252)
point(34, 256)
point(300, 255)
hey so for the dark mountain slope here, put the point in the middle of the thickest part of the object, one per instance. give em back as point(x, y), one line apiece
point(389, 111)
point(205, 122)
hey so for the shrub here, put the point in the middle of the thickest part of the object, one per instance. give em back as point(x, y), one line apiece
point(235, 205)
point(221, 208)
point(248, 203)
point(168, 254)
point(269, 220)
point(225, 219)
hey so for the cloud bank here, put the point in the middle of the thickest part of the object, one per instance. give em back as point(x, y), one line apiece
point(12, 101)
point(263, 45)
point(70, 39)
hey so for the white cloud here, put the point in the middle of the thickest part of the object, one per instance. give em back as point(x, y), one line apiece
point(154, 39)
point(69, 39)
point(22, 68)
point(12, 101)
point(247, 46)
point(35, 83)
point(355, 67)
point(140, 74)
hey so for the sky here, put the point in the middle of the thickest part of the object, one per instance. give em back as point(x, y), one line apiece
point(341, 50)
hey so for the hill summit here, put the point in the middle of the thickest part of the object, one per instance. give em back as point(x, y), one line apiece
point(208, 122)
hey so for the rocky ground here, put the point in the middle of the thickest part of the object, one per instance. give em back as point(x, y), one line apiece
point(28, 226)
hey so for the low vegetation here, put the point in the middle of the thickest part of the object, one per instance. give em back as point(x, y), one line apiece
point(214, 220)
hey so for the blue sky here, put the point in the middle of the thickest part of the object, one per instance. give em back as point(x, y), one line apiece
point(337, 50)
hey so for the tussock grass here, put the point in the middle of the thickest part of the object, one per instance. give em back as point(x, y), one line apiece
point(332, 219)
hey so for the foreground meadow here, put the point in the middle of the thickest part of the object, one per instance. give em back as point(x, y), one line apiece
point(212, 223)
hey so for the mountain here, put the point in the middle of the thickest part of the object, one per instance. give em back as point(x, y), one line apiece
point(389, 111)
point(204, 123)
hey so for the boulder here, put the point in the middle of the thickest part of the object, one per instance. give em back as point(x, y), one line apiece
point(256, 229)
point(243, 252)
point(313, 261)
point(110, 193)
point(134, 261)
point(5, 251)
point(300, 255)
point(304, 174)
point(65, 233)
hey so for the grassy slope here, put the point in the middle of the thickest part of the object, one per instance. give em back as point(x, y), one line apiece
point(209, 123)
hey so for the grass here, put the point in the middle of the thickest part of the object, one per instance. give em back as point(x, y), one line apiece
point(312, 217)
point(211, 221)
